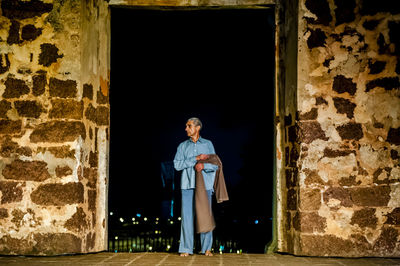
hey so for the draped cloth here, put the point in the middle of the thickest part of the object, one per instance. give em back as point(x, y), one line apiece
point(204, 217)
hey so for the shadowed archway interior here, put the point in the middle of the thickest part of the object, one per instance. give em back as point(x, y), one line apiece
point(167, 66)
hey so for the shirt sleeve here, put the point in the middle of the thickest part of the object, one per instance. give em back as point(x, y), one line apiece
point(180, 162)
point(208, 167)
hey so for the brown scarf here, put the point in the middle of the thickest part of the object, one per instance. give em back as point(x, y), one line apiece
point(204, 217)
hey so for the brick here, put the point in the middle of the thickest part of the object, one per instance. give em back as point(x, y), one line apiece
point(49, 54)
point(31, 109)
point(10, 127)
point(310, 131)
point(364, 218)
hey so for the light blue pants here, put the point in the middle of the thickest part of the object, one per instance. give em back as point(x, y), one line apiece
point(187, 224)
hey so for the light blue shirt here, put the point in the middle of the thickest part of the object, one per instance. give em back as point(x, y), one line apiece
point(185, 160)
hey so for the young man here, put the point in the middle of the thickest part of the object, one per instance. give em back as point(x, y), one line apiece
point(189, 152)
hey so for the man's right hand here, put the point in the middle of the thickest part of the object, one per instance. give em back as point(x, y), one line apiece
point(202, 157)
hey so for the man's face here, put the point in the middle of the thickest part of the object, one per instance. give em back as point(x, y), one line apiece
point(191, 129)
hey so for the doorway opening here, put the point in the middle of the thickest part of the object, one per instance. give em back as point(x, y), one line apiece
point(168, 66)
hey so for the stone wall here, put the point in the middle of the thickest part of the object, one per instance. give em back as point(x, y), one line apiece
point(54, 126)
point(348, 128)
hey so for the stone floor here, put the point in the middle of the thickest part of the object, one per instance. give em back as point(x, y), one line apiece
point(106, 258)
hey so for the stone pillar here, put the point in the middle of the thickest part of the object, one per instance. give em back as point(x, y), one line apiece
point(54, 126)
point(348, 128)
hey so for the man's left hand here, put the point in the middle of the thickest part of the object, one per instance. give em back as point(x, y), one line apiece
point(199, 167)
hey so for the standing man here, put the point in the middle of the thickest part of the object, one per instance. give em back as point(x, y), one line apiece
point(189, 152)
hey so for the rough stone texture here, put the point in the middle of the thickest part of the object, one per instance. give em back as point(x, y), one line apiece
point(58, 243)
point(26, 170)
point(350, 131)
point(99, 115)
point(54, 66)
point(49, 54)
point(39, 83)
point(62, 88)
point(58, 131)
point(15, 88)
point(365, 218)
point(28, 108)
point(11, 191)
point(78, 222)
point(58, 194)
point(66, 109)
point(10, 127)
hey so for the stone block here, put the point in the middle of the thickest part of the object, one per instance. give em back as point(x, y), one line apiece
point(15, 88)
point(310, 131)
point(49, 54)
point(3, 213)
point(62, 88)
point(393, 217)
point(310, 199)
point(394, 136)
point(15, 9)
point(30, 32)
point(326, 245)
point(87, 91)
point(11, 191)
point(78, 222)
point(58, 131)
point(58, 194)
point(292, 200)
point(344, 106)
point(69, 109)
point(5, 106)
point(99, 115)
point(92, 197)
point(311, 222)
point(350, 131)
point(56, 243)
point(4, 65)
point(321, 10)
point(341, 84)
point(373, 196)
point(364, 218)
point(26, 170)
point(30, 109)
point(338, 193)
point(10, 127)
point(386, 242)
point(39, 83)
point(62, 171)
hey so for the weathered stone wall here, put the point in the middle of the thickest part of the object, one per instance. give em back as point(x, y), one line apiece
point(348, 203)
point(54, 120)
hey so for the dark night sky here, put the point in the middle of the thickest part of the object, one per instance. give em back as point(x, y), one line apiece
point(167, 66)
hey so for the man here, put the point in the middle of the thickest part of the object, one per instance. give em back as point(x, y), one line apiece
point(186, 159)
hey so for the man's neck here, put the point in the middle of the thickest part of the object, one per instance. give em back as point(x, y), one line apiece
point(195, 138)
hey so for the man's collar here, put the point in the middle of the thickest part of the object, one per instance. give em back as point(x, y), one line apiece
point(199, 140)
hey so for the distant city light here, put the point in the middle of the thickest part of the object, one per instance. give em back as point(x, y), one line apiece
point(111, 213)
point(138, 215)
point(171, 222)
point(145, 218)
point(150, 248)
point(156, 232)
point(157, 219)
point(133, 219)
point(179, 218)
point(256, 221)
point(237, 252)
point(168, 247)
point(121, 219)
point(116, 238)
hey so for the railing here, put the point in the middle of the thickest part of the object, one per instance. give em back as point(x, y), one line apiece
point(153, 235)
